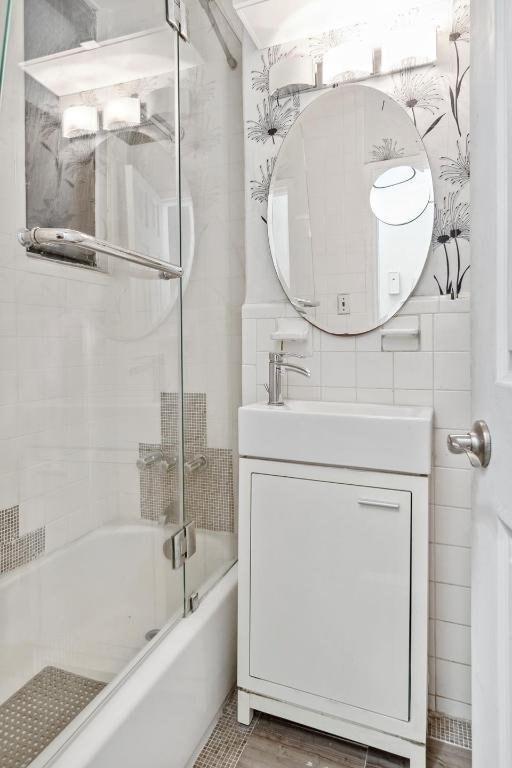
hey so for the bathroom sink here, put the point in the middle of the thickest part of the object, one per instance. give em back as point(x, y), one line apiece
point(384, 437)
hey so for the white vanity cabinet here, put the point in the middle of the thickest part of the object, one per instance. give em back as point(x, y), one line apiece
point(333, 601)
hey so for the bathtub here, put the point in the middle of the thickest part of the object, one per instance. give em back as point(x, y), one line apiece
point(87, 609)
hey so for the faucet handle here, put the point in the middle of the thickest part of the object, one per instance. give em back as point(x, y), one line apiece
point(279, 357)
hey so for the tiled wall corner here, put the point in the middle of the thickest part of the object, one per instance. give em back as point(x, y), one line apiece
point(437, 373)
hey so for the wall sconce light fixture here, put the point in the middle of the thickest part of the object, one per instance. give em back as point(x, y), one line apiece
point(123, 112)
point(355, 60)
point(291, 75)
point(408, 47)
point(352, 60)
point(79, 120)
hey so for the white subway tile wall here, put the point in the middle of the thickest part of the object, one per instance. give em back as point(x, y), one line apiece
point(349, 369)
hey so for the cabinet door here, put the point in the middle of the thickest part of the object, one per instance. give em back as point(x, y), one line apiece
point(330, 591)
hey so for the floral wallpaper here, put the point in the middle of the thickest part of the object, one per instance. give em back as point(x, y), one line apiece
point(436, 98)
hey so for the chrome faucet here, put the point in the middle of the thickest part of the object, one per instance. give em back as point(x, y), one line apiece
point(276, 366)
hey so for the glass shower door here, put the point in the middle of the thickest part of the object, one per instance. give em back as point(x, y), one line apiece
point(213, 287)
point(90, 356)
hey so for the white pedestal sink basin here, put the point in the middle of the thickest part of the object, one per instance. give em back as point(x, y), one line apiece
point(392, 438)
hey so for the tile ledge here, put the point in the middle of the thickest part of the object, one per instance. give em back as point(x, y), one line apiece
point(270, 310)
point(419, 305)
point(415, 305)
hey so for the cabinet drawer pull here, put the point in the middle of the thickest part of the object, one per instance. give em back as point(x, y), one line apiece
point(376, 503)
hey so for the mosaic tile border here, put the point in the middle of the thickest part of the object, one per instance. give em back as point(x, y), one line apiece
point(9, 524)
point(228, 739)
point(16, 550)
point(194, 419)
point(451, 730)
point(209, 492)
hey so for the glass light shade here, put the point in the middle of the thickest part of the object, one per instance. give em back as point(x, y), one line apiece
point(411, 46)
point(80, 120)
point(292, 74)
point(354, 58)
point(160, 103)
point(121, 113)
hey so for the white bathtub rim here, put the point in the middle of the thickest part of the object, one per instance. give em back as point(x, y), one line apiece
point(46, 558)
point(91, 729)
point(109, 529)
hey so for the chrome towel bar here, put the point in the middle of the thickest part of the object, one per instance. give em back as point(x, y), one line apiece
point(39, 237)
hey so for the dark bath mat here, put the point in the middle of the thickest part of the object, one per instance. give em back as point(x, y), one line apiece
point(33, 716)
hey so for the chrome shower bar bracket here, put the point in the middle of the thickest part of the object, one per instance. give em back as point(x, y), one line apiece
point(40, 238)
point(176, 15)
point(207, 7)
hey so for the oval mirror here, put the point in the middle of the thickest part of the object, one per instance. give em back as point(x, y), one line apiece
point(350, 210)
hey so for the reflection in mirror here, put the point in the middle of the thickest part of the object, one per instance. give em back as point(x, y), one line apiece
point(350, 210)
point(100, 147)
point(400, 195)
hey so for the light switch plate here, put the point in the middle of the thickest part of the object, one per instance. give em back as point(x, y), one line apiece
point(343, 304)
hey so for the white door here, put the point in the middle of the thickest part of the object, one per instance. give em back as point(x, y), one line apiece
point(491, 177)
point(330, 591)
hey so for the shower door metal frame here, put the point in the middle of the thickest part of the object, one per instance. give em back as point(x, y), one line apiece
point(176, 15)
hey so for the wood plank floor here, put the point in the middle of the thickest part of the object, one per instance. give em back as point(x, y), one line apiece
point(278, 744)
point(273, 743)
